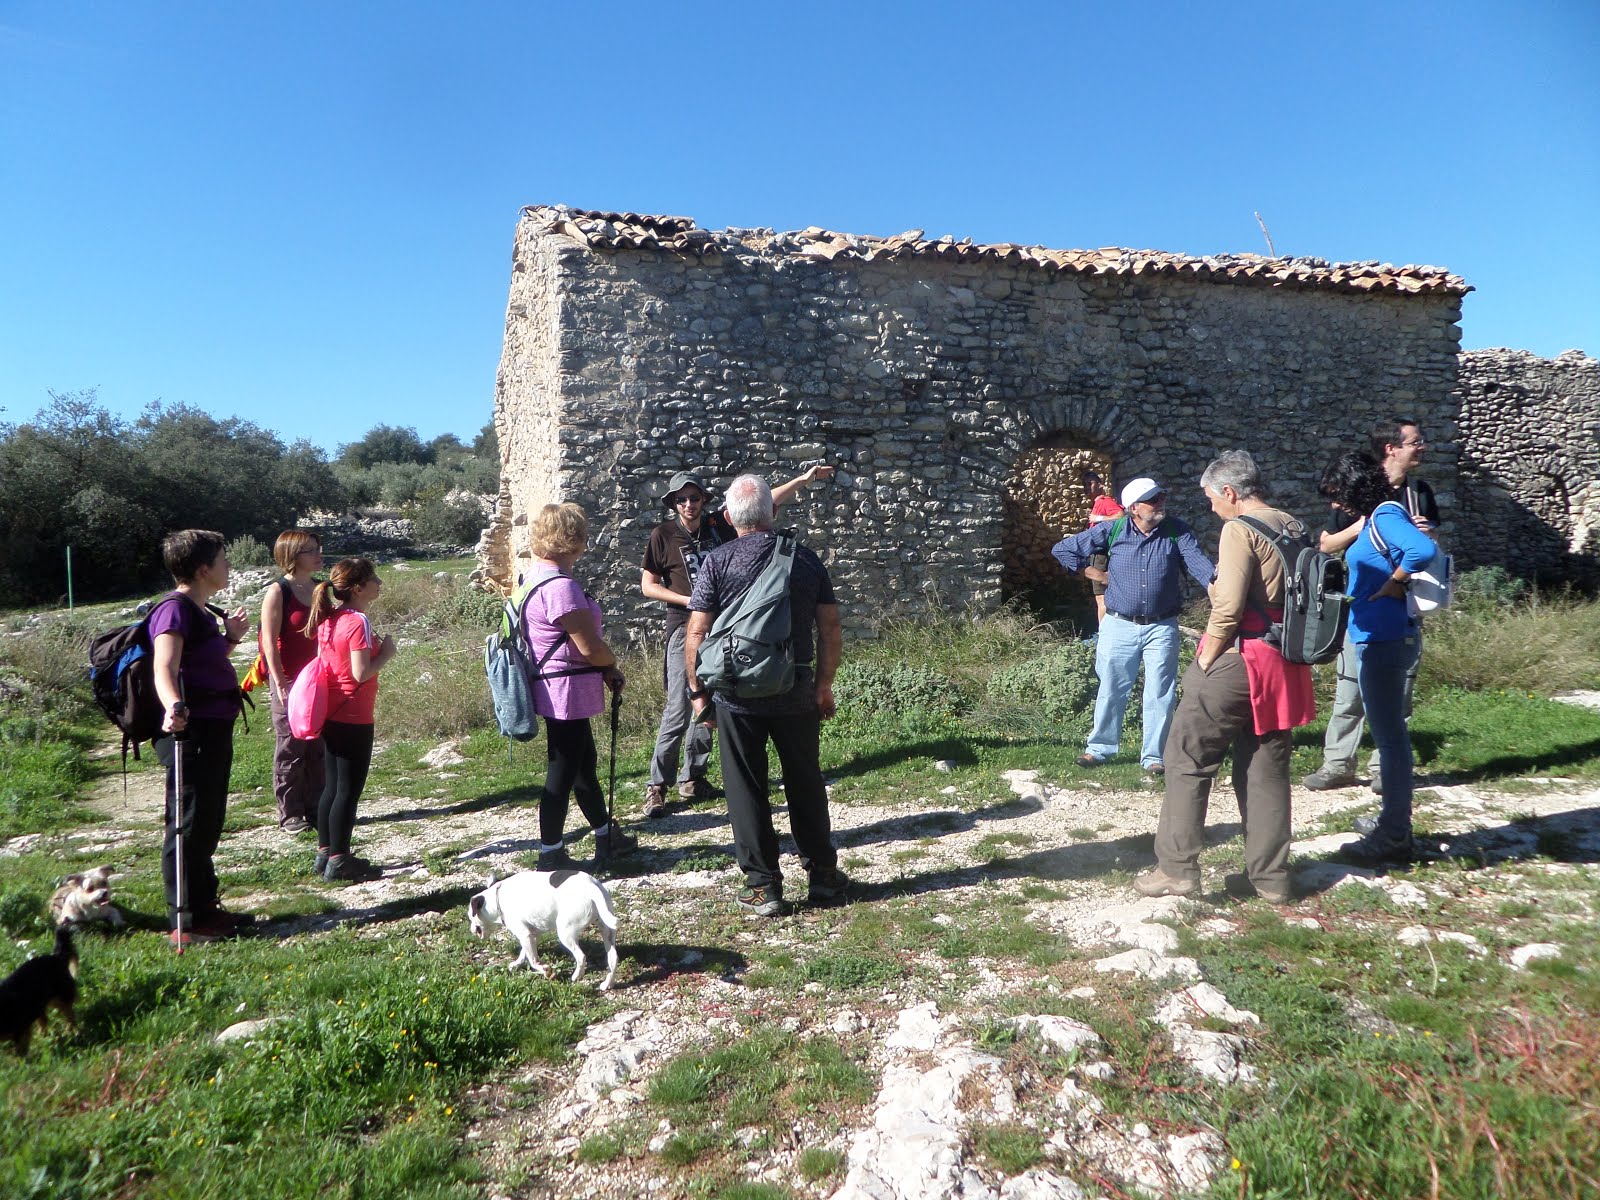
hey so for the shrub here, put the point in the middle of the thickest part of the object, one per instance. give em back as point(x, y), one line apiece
point(1489, 587)
point(1060, 686)
point(448, 522)
point(245, 551)
point(1542, 646)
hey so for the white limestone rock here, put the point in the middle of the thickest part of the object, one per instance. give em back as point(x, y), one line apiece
point(1523, 955)
point(1150, 965)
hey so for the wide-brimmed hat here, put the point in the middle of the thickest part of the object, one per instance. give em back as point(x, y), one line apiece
point(1140, 489)
point(680, 481)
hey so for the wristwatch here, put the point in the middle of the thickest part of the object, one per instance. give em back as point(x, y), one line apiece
point(700, 695)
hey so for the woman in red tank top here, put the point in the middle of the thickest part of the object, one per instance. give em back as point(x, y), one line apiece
point(297, 767)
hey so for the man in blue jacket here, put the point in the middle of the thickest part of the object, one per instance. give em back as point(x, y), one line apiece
point(1148, 552)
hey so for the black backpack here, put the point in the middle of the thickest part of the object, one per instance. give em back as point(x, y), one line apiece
point(749, 652)
point(1314, 600)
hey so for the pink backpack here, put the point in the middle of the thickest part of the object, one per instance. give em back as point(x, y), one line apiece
point(307, 707)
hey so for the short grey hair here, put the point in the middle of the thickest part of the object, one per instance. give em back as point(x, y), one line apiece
point(749, 503)
point(1235, 469)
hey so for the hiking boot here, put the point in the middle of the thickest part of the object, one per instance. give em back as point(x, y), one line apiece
point(1365, 826)
point(224, 919)
point(1087, 760)
point(1327, 779)
point(694, 790)
point(189, 937)
point(1373, 854)
point(320, 863)
point(1242, 886)
point(556, 860)
point(1159, 883)
point(655, 800)
point(828, 887)
point(1155, 770)
point(762, 901)
point(613, 843)
point(1377, 784)
point(348, 868)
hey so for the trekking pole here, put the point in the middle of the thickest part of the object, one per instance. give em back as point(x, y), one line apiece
point(611, 792)
point(180, 883)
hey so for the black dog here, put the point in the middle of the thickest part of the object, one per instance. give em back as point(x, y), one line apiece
point(43, 981)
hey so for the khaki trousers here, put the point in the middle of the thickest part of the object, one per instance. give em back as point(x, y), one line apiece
point(1212, 718)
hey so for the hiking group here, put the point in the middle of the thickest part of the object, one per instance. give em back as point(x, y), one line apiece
point(752, 644)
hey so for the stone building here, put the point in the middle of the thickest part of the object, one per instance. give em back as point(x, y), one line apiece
point(1530, 465)
point(959, 388)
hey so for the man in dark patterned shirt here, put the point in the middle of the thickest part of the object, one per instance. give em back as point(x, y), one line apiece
point(792, 722)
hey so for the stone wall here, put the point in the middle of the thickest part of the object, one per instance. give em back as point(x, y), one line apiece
point(1530, 465)
point(928, 376)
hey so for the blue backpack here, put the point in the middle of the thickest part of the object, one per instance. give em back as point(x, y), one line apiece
point(508, 663)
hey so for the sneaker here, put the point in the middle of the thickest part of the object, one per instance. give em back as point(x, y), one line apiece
point(828, 887)
point(1369, 852)
point(556, 860)
point(655, 800)
point(694, 790)
point(1090, 760)
point(1159, 883)
point(295, 825)
point(614, 843)
point(189, 937)
point(762, 901)
point(1327, 779)
point(1365, 826)
point(348, 868)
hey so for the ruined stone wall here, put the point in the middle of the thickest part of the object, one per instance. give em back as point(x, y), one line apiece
point(926, 381)
point(1530, 465)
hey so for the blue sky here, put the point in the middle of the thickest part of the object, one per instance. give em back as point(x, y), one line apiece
point(302, 213)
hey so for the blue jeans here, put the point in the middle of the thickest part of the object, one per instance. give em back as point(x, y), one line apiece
point(1381, 669)
point(1118, 651)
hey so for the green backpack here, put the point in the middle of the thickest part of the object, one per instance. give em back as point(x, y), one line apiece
point(749, 652)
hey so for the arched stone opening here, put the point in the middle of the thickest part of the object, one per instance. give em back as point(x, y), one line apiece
point(1047, 497)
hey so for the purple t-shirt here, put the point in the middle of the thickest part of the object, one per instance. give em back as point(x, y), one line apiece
point(210, 684)
point(564, 697)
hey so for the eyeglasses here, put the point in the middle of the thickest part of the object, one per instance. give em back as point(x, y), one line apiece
point(1417, 442)
point(693, 498)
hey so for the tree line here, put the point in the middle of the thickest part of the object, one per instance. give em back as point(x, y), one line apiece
point(80, 476)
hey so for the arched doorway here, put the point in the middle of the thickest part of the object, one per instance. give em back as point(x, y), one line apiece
point(1047, 497)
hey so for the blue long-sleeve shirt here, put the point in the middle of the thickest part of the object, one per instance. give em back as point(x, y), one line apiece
point(1384, 619)
point(1144, 570)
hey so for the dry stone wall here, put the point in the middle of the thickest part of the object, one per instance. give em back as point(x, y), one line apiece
point(927, 379)
point(1530, 465)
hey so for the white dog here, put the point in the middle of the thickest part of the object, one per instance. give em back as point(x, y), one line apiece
point(84, 898)
point(536, 902)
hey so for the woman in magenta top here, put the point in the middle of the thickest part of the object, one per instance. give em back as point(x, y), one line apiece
point(200, 691)
point(563, 625)
point(353, 656)
point(296, 763)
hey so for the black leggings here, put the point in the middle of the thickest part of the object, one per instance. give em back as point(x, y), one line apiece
point(207, 758)
point(572, 770)
point(347, 752)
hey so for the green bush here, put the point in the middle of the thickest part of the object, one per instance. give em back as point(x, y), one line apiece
point(447, 522)
point(1489, 587)
point(246, 551)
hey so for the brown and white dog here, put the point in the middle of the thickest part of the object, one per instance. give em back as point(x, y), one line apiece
point(535, 902)
point(45, 981)
point(84, 898)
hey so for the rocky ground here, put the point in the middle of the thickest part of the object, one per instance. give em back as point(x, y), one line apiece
point(685, 951)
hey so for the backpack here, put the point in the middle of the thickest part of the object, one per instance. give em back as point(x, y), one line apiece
point(749, 652)
point(258, 673)
point(1432, 587)
point(1314, 600)
point(122, 677)
point(1120, 526)
point(306, 707)
point(508, 664)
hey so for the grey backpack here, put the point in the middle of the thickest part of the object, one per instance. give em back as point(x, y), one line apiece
point(749, 652)
point(1314, 600)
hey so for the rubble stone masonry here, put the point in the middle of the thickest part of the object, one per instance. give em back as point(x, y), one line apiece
point(934, 375)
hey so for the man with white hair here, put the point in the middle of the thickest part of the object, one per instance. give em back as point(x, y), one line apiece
point(1147, 553)
point(792, 722)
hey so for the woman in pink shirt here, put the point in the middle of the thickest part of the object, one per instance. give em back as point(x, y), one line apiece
point(563, 625)
point(353, 656)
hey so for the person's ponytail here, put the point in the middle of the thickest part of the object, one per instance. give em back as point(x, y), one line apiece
point(321, 607)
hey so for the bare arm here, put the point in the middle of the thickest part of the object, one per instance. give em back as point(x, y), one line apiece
point(168, 653)
point(830, 648)
point(580, 626)
point(654, 589)
point(1338, 543)
point(693, 635)
point(365, 665)
point(271, 627)
point(786, 491)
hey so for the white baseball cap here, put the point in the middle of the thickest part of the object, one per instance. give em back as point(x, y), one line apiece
point(1142, 488)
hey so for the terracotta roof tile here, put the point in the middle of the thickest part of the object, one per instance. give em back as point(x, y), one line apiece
point(607, 231)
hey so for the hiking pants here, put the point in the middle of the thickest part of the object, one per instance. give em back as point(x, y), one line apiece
point(572, 771)
point(1383, 669)
point(297, 766)
point(347, 751)
point(677, 729)
point(1213, 717)
point(743, 740)
point(1343, 740)
point(207, 758)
